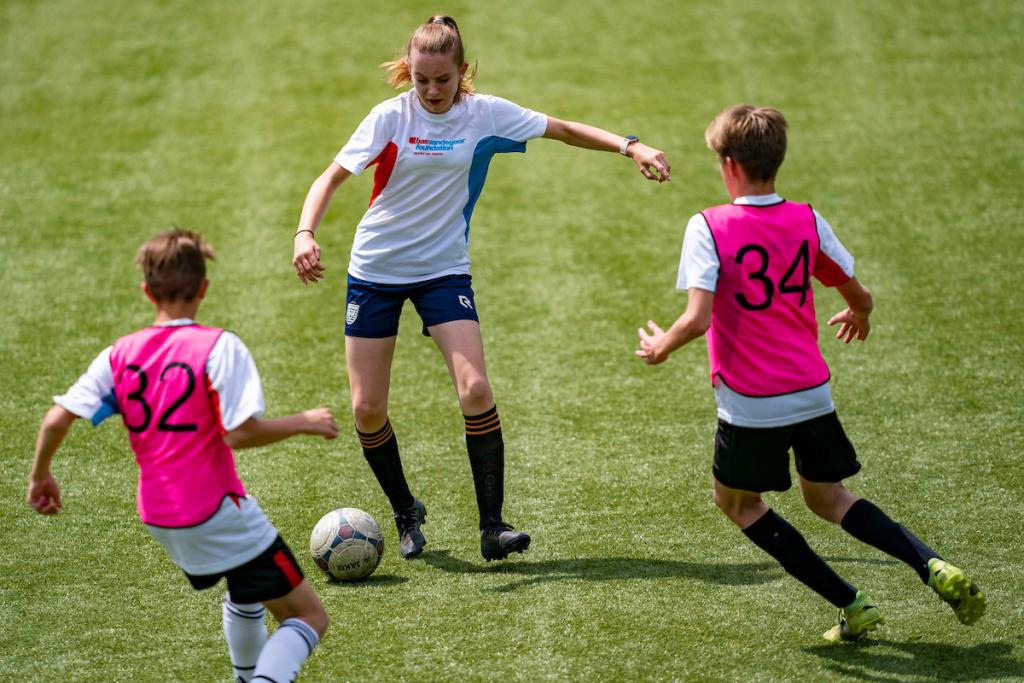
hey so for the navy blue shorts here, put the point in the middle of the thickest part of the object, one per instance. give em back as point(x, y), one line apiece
point(372, 310)
point(757, 459)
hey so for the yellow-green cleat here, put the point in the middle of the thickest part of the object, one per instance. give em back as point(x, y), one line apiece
point(856, 620)
point(957, 589)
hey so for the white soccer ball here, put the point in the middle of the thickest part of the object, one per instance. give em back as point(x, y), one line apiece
point(347, 544)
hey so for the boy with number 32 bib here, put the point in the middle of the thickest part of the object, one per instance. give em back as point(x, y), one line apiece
point(188, 395)
point(747, 268)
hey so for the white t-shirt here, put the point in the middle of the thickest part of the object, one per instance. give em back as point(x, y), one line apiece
point(230, 367)
point(430, 169)
point(698, 267)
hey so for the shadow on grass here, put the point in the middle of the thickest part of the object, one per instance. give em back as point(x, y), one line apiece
point(376, 580)
point(617, 568)
point(605, 569)
point(887, 660)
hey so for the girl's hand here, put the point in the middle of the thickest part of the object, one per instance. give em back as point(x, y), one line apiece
point(44, 495)
point(851, 326)
point(649, 160)
point(306, 258)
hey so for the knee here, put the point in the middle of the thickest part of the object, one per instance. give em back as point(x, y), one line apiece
point(829, 503)
point(369, 413)
point(734, 507)
point(475, 394)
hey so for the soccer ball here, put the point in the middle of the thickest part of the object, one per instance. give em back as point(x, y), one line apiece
point(347, 544)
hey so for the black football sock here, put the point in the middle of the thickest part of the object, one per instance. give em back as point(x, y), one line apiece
point(381, 451)
point(487, 459)
point(868, 524)
point(778, 538)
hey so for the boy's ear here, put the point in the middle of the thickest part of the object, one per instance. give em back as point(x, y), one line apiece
point(202, 288)
point(733, 167)
point(149, 294)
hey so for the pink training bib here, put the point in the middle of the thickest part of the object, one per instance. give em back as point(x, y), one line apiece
point(763, 339)
point(174, 425)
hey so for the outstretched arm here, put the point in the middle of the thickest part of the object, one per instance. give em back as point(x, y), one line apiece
point(306, 255)
point(43, 491)
point(656, 346)
point(853, 320)
point(256, 432)
point(647, 159)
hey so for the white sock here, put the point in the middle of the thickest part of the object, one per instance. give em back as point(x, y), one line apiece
point(284, 653)
point(246, 632)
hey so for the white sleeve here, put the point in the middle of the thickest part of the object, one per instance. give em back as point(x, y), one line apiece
point(514, 122)
point(92, 396)
point(370, 138)
point(233, 375)
point(837, 265)
point(698, 263)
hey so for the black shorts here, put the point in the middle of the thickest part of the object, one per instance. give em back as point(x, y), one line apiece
point(754, 459)
point(271, 574)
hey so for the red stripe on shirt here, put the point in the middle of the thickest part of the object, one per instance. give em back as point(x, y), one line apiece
point(287, 568)
point(385, 165)
point(215, 397)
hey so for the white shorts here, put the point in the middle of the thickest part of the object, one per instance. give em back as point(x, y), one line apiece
point(235, 534)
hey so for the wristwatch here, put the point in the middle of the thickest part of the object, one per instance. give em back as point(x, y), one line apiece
point(626, 142)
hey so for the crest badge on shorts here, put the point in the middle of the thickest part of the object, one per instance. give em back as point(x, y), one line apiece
point(351, 313)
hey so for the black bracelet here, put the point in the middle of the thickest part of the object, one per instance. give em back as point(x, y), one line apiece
point(299, 232)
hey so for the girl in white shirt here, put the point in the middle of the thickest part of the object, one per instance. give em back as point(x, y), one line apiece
point(431, 147)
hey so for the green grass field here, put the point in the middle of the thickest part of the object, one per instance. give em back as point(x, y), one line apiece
point(907, 133)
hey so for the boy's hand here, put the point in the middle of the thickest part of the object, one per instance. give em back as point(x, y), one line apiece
point(850, 326)
point(650, 344)
point(306, 258)
point(44, 495)
point(321, 421)
point(649, 160)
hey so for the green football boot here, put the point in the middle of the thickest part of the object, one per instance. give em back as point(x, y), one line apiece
point(957, 589)
point(856, 620)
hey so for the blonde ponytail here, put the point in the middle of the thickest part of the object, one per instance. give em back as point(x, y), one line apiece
point(439, 36)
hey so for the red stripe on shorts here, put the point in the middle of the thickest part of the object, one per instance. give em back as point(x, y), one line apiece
point(287, 568)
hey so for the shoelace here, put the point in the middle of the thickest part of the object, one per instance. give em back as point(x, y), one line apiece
point(498, 528)
point(406, 519)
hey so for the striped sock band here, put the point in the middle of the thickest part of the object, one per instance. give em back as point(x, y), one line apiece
point(286, 651)
point(376, 439)
point(380, 448)
point(484, 423)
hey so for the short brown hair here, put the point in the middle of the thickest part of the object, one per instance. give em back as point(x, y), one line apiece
point(438, 36)
point(755, 137)
point(174, 263)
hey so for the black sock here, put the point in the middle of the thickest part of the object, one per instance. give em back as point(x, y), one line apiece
point(487, 459)
point(778, 538)
point(381, 451)
point(868, 524)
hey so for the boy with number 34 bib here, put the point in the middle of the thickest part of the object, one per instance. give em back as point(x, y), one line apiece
point(747, 268)
point(188, 395)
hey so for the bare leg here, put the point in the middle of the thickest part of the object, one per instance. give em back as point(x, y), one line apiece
point(369, 379)
point(463, 349)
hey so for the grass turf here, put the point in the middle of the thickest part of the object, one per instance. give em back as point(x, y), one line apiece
point(906, 133)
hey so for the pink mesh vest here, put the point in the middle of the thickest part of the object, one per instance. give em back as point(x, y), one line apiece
point(173, 420)
point(763, 339)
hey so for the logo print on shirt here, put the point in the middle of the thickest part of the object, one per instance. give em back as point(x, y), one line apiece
point(433, 148)
point(351, 313)
point(465, 301)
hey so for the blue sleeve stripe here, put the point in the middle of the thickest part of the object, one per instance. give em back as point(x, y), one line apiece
point(485, 149)
point(107, 408)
